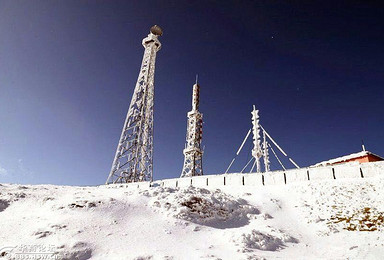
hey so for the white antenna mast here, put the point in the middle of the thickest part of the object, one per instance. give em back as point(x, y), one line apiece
point(260, 149)
point(256, 151)
point(265, 152)
point(193, 155)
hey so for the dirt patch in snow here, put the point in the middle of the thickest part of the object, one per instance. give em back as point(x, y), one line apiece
point(366, 219)
point(201, 206)
point(352, 206)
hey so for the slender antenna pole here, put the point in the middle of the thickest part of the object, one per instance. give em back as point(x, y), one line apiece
point(273, 151)
point(265, 153)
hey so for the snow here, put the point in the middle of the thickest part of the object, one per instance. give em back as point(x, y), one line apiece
point(327, 219)
point(345, 158)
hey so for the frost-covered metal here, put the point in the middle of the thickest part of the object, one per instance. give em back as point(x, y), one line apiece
point(261, 147)
point(257, 152)
point(265, 153)
point(193, 155)
point(133, 160)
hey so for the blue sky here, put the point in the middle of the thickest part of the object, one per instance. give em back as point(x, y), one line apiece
point(68, 70)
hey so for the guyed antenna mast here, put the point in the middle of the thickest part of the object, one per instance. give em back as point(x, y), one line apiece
point(260, 148)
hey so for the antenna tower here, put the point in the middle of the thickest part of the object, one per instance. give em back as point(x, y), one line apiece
point(260, 147)
point(193, 155)
point(133, 160)
point(257, 153)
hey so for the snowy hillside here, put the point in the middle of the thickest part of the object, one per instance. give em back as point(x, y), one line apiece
point(332, 219)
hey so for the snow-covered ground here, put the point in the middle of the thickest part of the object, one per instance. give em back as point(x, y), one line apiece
point(332, 219)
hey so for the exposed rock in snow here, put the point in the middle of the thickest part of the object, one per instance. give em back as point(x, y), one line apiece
point(205, 207)
point(78, 251)
point(4, 204)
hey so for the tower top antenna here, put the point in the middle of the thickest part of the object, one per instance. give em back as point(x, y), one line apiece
point(197, 77)
point(156, 30)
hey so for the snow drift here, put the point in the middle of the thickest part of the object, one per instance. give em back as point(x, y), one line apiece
point(321, 219)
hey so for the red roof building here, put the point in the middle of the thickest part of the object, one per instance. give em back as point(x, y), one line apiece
point(360, 157)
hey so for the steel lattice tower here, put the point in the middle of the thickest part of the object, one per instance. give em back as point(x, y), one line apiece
point(133, 160)
point(193, 155)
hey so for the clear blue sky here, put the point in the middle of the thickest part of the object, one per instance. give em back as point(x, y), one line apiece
point(68, 70)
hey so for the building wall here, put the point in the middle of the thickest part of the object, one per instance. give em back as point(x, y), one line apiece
point(372, 158)
point(339, 171)
point(363, 159)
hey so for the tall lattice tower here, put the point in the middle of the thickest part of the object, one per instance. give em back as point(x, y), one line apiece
point(193, 155)
point(133, 160)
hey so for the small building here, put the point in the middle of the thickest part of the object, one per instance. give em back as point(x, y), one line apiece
point(360, 157)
